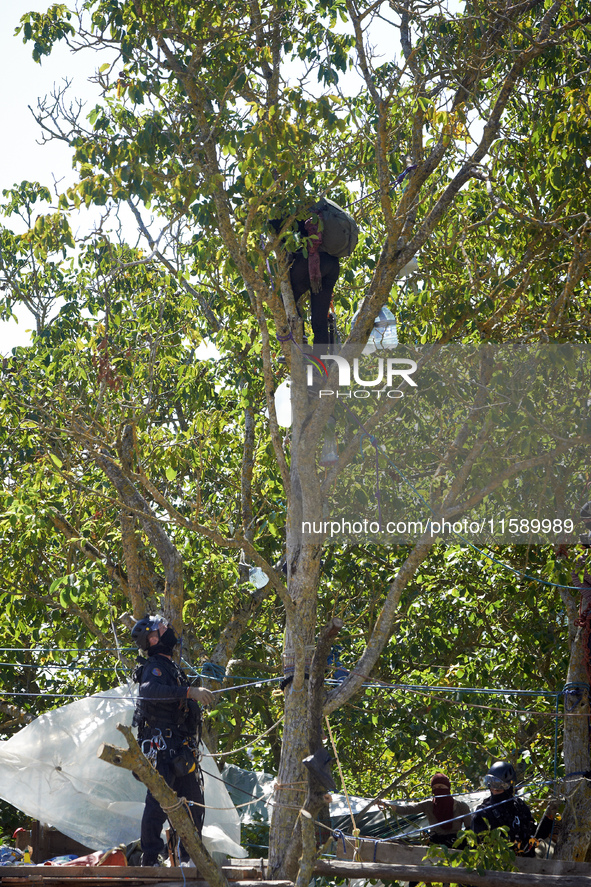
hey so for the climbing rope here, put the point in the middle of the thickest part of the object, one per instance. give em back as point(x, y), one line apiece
point(225, 754)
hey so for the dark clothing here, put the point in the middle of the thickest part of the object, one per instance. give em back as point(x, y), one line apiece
point(438, 833)
point(189, 787)
point(169, 726)
point(506, 810)
point(299, 277)
point(460, 815)
point(162, 699)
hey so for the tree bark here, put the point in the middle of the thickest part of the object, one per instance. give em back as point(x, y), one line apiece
point(178, 814)
point(308, 857)
point(575, 835)
point(303, 577)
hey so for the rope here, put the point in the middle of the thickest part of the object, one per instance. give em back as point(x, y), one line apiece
point(576, 689)
point(180, 803)
point(225, 754)
point(251, 684)
point(334, 748)
point(429, 827)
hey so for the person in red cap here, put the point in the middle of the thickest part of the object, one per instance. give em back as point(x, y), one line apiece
point(446, 815)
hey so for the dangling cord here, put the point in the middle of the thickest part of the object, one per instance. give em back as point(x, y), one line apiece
point(114, 630)
point(355, 829)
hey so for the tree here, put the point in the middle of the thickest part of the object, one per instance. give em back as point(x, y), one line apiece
point(209, 123)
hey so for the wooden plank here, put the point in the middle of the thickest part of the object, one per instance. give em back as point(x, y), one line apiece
point(111, 876)
point(446, 875)
point(251, 872)
point(56, 879)
point(413, 854)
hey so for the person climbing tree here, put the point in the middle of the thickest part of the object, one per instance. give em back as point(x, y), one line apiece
point(330, 234)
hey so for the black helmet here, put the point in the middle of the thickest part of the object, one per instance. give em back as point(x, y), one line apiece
point(501, 775)
point(144, 627)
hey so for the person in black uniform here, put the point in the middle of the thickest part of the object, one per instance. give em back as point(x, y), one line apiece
point(502, 808)
point(168, 718)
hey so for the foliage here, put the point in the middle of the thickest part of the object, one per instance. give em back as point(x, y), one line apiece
point(477, 853)
point(137, 477)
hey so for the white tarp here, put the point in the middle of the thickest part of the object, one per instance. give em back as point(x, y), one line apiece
point(50, 771)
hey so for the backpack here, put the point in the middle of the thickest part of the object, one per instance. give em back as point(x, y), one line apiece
point(339, 229)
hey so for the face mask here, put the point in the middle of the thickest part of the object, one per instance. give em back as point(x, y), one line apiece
point(166, 643)
point(169, 638)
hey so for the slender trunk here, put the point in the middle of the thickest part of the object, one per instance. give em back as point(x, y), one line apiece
point(291, 785)
point(303, 577)
point(575, 835)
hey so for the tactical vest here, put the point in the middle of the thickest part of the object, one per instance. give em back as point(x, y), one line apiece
point(182, 716)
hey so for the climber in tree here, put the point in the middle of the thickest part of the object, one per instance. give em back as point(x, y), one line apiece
point(330, 234)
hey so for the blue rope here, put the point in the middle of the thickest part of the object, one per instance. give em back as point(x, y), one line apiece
point(574, 689)
point(340, 834)
point(213, 671)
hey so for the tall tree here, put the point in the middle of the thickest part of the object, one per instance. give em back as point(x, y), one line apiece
point(212, 122)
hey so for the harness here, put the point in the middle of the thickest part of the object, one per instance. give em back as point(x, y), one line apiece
point(158, 720)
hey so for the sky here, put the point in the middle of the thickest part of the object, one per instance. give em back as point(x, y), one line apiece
point(21, 155)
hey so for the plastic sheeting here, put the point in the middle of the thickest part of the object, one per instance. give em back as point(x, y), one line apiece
point(50, 771)
point(257, 787)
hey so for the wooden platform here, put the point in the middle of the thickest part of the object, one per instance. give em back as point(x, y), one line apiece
point(378, 860)
point(405, 862)
point(240, 875)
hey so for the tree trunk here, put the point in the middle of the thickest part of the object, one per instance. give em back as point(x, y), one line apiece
point(575, 835)
point(303, 577)
point(291, 786)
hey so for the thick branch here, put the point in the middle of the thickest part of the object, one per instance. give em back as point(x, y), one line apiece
point(178, 814)
point(90, 551)
point(316, 684)
point(381, 632)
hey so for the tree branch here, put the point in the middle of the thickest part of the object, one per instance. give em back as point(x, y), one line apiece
point(132, 759)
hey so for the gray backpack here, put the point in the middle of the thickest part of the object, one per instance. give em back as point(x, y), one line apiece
point(339, 229)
